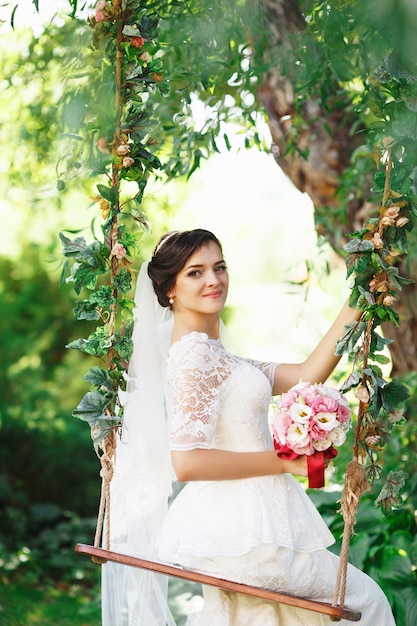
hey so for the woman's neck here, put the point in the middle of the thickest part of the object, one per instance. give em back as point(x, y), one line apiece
point(184, 325)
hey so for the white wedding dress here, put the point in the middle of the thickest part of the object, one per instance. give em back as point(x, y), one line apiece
point(261, 531)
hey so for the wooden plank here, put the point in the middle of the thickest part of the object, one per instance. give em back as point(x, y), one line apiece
point(204, 579)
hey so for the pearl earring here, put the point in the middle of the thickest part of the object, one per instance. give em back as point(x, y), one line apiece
point(171, 300)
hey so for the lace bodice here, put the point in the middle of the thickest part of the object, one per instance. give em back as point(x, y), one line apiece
point(218, 400)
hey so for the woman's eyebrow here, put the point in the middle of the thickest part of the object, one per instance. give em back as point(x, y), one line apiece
point(199, 265)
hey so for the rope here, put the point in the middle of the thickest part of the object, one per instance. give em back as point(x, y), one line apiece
point(108, 446)
point(356, 484)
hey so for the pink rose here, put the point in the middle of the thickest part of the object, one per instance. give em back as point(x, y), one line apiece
point(280, 425)
point(317, 432)
point(99, 16)
point(305, 449)
point(402, 221)
point(102, 145)
point(123, 149)
point(118, 250)
point(388, 221)
point(324, 404)
point(392, 211)
point(128, 161)
point(343, 413)
point(137, 42)
point(362, 394)
point(377, 241)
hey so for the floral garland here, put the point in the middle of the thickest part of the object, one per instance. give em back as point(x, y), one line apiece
point(372, 257)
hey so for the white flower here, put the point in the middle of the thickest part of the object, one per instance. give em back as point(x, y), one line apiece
point(327, 421)
point(323, 444)
point(338, 436)
point(298, 434)
point(300, 412)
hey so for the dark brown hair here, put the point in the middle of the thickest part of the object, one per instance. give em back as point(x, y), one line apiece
point(171, 254)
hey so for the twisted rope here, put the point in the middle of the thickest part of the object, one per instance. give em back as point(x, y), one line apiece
point(356, 484)
point(108, 446)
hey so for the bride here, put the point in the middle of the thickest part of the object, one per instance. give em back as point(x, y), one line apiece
point(241, 514)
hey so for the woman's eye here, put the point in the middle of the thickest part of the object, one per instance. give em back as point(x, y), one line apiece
point(193, 273)
point(222, 268)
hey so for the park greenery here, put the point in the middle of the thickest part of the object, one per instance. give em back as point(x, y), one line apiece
point(106, 98)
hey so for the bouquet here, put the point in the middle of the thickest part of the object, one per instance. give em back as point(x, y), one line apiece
point(310, 419)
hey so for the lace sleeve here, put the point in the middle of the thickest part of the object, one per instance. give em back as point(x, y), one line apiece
point(196, 371)
point(266, 368)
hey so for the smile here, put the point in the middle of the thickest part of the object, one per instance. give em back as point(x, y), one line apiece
point(213, 294)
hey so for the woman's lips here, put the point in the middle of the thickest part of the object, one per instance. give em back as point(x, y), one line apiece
point(213, 294)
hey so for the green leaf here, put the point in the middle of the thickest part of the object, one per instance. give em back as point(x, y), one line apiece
point(84, 276)
point(131, 31)
point(92, 406)
point(356, 245)
point(351, 381)
point(98, 377)
point(393, 394)
point(108, 193)
point(97, 344)
point(101, 427)
point(85, 311)
point(352, 333)
point(123, 281)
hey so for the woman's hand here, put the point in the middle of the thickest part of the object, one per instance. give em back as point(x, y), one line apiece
point(298, 466)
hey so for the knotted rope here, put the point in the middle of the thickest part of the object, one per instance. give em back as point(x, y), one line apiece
point(355, 485)
point(108, 446)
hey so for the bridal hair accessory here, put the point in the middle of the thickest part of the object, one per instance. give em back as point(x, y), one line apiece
point(142, 481)
point(165, 239)
point(310, 419)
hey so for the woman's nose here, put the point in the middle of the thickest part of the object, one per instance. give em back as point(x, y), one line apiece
point(212, 278)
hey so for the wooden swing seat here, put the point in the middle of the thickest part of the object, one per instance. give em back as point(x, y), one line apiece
point(336, 612)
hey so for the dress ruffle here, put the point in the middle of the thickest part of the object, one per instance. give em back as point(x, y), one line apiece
point(229, 518)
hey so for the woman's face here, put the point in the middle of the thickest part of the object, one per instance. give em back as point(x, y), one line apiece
point(202, 284)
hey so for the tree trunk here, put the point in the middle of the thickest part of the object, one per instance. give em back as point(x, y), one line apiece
point(328, 146)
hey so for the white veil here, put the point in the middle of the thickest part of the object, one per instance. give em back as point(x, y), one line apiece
point(142, 480)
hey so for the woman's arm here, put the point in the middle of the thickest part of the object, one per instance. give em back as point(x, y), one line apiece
point(209, 464)
point(319, 365)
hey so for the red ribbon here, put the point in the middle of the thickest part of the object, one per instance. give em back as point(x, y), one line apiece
point(315, 463)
